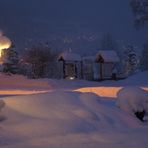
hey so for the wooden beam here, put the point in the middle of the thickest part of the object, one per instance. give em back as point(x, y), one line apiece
point(76, 72)
point(81, 70)
point(101, 71)
point(64, 76)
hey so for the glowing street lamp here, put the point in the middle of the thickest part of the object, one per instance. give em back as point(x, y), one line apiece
point(5, 43)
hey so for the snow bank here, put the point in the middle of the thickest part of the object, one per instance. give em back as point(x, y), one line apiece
point(68, 119)
point(63, 110)
point(139, 79)
point(63, 119)
point(133, 99)
point(21, 82)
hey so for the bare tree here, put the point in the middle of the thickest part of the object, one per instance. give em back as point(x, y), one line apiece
point(39, 57)
point(140, 10)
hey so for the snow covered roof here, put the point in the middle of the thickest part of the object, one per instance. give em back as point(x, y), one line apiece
point(68, 56)
point(108, 56)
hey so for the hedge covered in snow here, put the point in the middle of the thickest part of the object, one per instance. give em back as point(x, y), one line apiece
point(133, 100)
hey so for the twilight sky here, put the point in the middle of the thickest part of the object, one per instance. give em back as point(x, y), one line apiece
point(23, 20)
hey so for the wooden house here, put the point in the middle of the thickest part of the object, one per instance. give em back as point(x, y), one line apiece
point(71, 64)
point(107, 61)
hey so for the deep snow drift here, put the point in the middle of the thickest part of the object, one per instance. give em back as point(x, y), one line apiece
point(67, 117)
point(133, 99)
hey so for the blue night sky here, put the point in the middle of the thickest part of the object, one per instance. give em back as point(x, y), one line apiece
point(23, 20)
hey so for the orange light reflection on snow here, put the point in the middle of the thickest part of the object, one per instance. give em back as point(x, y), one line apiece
point(104, 91)
point(145, 88)
point(21, 92)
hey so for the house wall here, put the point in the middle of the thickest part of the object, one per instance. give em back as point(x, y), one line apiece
point(72, 69)
point(107, 70)
point(79, 70)
point(87, 69)
point(90, 70)
point(96, 72)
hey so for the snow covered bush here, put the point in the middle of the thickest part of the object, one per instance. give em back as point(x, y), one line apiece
point(133, 100)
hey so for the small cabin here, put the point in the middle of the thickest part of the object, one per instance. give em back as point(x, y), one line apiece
point(107, 61)
point(71, 64)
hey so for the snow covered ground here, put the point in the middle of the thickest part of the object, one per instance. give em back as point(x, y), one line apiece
point(68, 114)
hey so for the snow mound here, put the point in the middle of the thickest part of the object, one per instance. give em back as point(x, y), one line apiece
point(21, 82)
point(133, 99)
point(63, 111)
point(140, 78)
point(59, 111)
point(64, 119)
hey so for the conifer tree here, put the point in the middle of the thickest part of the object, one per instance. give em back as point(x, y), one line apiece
point(130, 60)
point(10, 60)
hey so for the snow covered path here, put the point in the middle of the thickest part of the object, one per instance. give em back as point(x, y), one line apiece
point(68, 119)
point(19, 85)
point(67, 114)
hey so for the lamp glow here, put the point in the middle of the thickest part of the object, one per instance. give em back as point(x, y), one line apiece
point(5, 43)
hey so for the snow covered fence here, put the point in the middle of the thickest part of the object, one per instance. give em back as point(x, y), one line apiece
point(133, 100)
